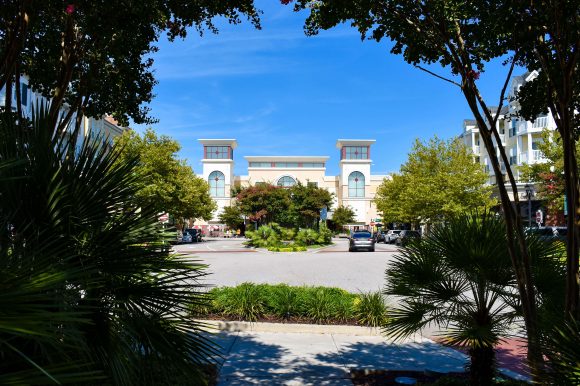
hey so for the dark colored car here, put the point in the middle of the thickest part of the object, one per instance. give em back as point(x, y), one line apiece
point(195, 234)
point(380, 236)
point(407, 236)
point(550, 233)
point(361, 240)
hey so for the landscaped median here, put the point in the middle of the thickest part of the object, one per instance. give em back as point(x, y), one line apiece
point(287, 304)
point(280, 239)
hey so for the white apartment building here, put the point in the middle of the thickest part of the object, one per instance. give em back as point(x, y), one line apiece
point(106, 128)
point(519, 138)
point(355, 186)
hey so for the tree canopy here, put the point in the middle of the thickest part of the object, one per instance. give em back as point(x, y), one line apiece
point(84, 54)
point(166, 182)
point(342, 215)
point(232, 217)
point(297, 206)
point(438, 180)
point(307, 201)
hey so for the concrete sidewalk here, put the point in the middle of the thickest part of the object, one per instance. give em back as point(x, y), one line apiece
point(284, 354)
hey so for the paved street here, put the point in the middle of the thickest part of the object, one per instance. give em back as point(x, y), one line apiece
point(232, 263)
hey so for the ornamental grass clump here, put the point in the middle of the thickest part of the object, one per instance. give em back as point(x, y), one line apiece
point(284, 301)
point(244, 302)
point(320, 305)
point(369, 309)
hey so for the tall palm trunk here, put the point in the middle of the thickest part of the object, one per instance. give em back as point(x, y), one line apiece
point(481, 368)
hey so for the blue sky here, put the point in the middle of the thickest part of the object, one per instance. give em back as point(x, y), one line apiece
point(279, 92)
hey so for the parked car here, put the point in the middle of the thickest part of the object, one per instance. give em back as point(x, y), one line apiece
point(391, 236)
point(195, 234)
point(380, 236)
point(550, 233)
point(361, 240)
point(406, 236)
point(186, 238)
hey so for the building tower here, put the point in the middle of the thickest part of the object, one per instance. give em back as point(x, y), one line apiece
point(218, 171)
point(355, 178)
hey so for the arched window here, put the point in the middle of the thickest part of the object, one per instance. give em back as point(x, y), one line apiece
point(286, 182)
point(356, 184)
point(217, 184)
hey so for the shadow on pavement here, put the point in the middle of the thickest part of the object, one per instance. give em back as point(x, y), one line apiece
point(326, 360)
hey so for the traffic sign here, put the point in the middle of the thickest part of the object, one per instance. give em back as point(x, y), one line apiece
point(323, 213)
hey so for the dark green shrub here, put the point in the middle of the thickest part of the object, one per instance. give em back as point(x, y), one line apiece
point(245, 302)
point(284, 301)
point(306, 237)
point(321, 305)
point(370, 310)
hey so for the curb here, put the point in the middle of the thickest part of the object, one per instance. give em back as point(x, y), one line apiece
point(297, 328)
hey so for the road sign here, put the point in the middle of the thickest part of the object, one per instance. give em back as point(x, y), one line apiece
point(323, 213)
point(164, 217)
point(539, 216)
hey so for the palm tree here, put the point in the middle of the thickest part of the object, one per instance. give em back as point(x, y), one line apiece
point(89, 290)
point(459, 279)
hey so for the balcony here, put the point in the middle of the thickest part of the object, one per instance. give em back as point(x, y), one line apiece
point(539, 156)
point(540, 123)
point(476, 149)
point(533, 157)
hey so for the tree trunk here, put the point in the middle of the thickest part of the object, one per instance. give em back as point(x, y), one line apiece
point(573, 219)
point(482, 366)
point(515, 236)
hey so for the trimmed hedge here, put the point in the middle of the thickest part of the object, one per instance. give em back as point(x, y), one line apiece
point(252, 302)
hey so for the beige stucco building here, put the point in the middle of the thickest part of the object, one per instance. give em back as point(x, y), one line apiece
point(355, 186)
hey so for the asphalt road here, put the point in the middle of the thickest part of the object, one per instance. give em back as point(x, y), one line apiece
point(231, 263)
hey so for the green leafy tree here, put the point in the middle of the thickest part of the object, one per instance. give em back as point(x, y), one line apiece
point(166, 183)
point(550, 175)
point(307, 201)
point(342, 215)
point(90, 293)
point(232, 217)
point(462, 37)
point(438, 180)
point(72, 55)
point(265, 203)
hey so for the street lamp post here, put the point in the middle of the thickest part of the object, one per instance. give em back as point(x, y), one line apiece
point(529, 194)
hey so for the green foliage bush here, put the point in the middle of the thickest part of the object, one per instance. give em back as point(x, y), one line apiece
point(276, 238)
point(370, 309)
point(246, 301)
point(251, 302)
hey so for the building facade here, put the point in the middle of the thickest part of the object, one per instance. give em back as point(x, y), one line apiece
point(519, 138)
point(105, 128)
point(354, 186)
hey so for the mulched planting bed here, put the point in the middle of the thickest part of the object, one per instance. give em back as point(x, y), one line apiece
point(388, 377)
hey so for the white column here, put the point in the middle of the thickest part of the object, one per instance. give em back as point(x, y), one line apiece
point(530, 152)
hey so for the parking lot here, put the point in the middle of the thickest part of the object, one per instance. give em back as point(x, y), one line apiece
point(231, 263)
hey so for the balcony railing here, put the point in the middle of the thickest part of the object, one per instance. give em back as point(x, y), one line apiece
point(476, 149)
point(540, 123)
point(538, 155)
point(523, 158)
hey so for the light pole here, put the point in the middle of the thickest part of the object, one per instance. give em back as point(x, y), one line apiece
point(529, 194)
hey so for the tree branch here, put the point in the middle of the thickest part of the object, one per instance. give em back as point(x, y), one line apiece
point(438, 76)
